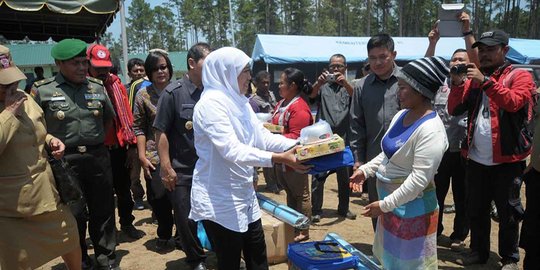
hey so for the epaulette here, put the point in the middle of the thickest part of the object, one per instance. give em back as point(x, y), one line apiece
point(43, 82)
point(94, 80)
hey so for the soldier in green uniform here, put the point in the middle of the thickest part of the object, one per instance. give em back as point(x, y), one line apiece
point(78, 112)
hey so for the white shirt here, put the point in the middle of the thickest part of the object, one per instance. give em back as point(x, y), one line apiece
point(416, 162)
point(481, 149)
point(230, 141)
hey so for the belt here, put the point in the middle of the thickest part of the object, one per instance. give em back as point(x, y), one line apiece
point(82, 148)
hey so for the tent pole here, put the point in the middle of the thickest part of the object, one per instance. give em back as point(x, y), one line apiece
point(124, 39)
point(267, 67)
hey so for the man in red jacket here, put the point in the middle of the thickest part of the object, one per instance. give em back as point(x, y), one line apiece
point(120, 138)
point(498, 99)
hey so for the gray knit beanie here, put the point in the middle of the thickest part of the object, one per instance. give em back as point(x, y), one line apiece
point(425, 75)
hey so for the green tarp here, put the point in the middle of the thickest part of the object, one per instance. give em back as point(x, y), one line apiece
point(56, 19)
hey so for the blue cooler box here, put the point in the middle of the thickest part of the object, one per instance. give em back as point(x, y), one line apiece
point(320, 255)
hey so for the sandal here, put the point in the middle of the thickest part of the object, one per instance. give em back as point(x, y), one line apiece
point(301, 238)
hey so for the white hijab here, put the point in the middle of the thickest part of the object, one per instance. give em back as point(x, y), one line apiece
point(220, 74)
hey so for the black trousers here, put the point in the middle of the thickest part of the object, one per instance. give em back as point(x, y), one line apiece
point(161, 205)
point(344, 191)
point(229, 245)
point(530, 234)
point(122, 186)
point(493, 183)
point(93, 172)
point(180, 199)
point(452, 167)
point(135, 173)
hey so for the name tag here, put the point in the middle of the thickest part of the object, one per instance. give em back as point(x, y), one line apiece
point(188, 106)
point(92, 96)
point(59, 98)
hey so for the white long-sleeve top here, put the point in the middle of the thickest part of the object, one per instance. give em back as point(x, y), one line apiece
point(230, 141)
point(416, 162)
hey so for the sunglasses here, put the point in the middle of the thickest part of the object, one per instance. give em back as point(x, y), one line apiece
point(162, 68)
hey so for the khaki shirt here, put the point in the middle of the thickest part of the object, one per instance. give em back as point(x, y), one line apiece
point(77, 115)
point(26, 183)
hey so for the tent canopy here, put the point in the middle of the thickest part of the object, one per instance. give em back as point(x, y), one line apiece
point(287, 49)
point(44, 19)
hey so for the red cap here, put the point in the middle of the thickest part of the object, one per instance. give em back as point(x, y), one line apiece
point(99, 56)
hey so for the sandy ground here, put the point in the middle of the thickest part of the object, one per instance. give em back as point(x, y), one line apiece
point(140, 254)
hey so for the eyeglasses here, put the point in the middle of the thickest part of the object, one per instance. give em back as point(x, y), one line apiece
point(162, 68)
point(336, 66)
point(382, 59)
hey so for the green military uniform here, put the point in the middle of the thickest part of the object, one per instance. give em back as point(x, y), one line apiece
point(75, 114)
point(78, 115)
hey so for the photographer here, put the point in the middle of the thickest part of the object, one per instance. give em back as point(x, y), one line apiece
point(496, 98)
point(333, 94)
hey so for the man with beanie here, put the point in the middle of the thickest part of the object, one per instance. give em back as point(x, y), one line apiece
point(120, 138)
point(412, 149)
point(79, 112)
point(374, 103)
point(498, 100)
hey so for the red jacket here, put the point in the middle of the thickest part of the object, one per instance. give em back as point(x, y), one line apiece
point(122, 133)
point(508, 100)
point(296, 117)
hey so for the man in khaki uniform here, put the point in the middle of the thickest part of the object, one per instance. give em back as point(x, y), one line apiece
point(78, 111)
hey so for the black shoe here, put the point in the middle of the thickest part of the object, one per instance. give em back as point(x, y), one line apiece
point(178, 243)
point(162, 245)
point(200, 266)
point(315, 218)
point(112, 266)
point(449, 209)
point(87, 263)
point(348, 215)
point(132, 232)
point(509, 265)
point(470, 259)
point(139, 205)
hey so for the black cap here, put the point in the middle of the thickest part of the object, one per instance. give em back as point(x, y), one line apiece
point(492, 38)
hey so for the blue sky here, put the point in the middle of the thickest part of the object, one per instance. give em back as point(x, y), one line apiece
point(115, 28)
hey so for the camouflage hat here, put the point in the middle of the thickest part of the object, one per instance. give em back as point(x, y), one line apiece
point(9, 73)
point(68, 48)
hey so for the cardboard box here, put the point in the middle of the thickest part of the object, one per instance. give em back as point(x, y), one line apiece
point(274, 128)
point(277, 236)
point(333, 145)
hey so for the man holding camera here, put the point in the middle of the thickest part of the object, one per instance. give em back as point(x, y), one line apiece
point(333, 94)
point(498, 100)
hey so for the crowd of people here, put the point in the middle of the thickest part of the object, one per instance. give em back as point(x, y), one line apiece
point(413, 130)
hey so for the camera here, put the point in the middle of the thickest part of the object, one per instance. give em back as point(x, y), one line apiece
point(459, 69)
point(331, 78)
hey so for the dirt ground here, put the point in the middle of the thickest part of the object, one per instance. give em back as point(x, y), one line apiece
point(140, 254)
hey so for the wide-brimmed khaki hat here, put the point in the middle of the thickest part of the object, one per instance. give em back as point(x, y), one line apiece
point(9, 73)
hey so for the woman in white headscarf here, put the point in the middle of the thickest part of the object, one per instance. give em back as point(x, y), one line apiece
point(230, 141)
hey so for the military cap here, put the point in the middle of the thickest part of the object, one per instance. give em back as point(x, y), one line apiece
point(68, 48)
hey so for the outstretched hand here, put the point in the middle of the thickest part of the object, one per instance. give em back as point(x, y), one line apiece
point(357, 180)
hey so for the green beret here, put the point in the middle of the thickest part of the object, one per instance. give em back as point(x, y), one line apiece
point(68, 48)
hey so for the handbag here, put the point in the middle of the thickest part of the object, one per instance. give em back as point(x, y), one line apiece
point(66, 183)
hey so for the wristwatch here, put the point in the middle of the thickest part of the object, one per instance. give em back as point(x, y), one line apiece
point(486, 79)
point(470, 32)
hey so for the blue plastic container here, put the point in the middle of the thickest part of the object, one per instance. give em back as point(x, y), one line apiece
point(320, 255)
